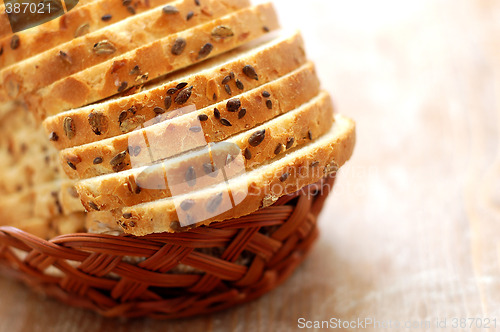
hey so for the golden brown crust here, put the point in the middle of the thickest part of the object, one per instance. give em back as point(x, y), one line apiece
point(105, 44)
point(273, 61)
point(202, 126)
point(254, 190)
point(154, 60)
point(87, 17)
point(229, 159)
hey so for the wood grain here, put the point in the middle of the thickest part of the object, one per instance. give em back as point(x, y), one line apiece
point(411, 231)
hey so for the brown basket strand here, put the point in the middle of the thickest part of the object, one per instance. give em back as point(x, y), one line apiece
point(170, 275)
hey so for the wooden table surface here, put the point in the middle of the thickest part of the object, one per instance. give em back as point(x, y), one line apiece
point(410, 233)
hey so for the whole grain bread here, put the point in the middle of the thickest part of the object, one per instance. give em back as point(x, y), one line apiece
point(204, 126)
point(244, 194)
point(105, 44)
point(151, 61)
point(210, 166)
point(270, 61)
point(86, 17)
point(48, 200)
point(27, 159)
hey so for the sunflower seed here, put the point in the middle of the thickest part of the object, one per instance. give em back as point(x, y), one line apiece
point(284, 177)
point(118, 159)
point(126, 2)
point(250, 72)
point(181, 86)
point(233, 105)
point(195, 129)
point(184, 96)
point(226, 80)
point(203, 117)
point(257, 138)
point(205, 51)
point(98, 160)
point(82, 30)
point(104, 47)
point(127, 215)
point(93, 206)
point(190, 176)
point(221, 32)
point(135, 71)
point(71, 165)
point(240, 85)
point(290, 142)
point(187, 204)
point(216, 113)
point(228, 89)
point(98, 122)
point(158, 110)
point(168, 102)
point(131, 10)
point(214, 203)
point(197, 2)
point(69, 127)
point(179, 46)
point(189, 15)
point(242, 113)
point(122, 86)
point(65, 57)
point(269, 104)
point(247, 154)
point(14, 42)
point(278, 149)
point(123, 116)
point(170, 10)
point(172, 91)
point(225, 122)
point(266, 94)
point(106, 17)
point(53, 137)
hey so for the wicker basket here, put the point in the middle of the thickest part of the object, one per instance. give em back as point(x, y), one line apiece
point(170, 275)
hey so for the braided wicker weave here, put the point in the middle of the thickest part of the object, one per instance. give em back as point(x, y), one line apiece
point(170, 275)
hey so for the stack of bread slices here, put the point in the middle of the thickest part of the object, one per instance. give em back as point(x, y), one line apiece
point(159, 116)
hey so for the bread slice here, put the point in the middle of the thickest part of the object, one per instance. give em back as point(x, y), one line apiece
point(85, 18)
point(44, 201)
point(244, 194)
point(151, 61)
point(196, 128)
point(270, 59)
point(105, 44)
point(209, 166)
point(27, 159)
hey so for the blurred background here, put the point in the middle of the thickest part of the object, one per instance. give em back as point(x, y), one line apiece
point(410, 232)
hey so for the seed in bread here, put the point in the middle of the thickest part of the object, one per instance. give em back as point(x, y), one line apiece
point(293, 89)
point(273, 59)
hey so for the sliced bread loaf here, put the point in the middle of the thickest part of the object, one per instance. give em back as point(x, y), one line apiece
point(149, 62)
point(246, 193)
point(105, 44)
point(207, 167)
point(195, 129)
point(269, 61)
point(87, 17)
